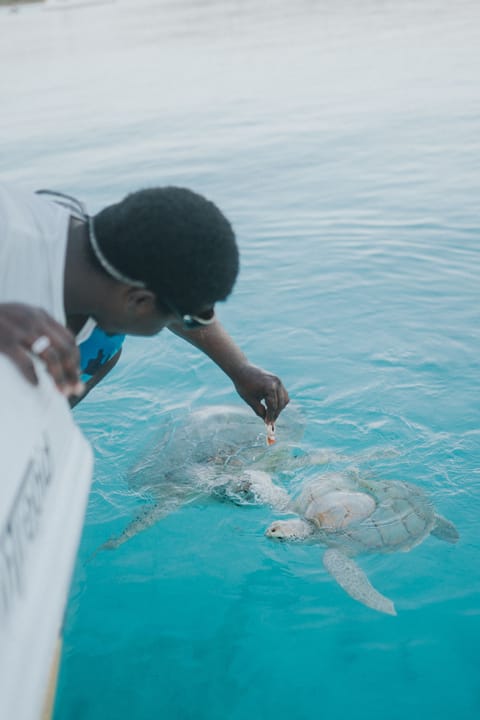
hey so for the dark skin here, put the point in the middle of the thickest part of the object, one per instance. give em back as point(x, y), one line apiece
point(120, 308)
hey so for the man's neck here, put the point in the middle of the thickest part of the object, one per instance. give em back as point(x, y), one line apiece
point(78, 301)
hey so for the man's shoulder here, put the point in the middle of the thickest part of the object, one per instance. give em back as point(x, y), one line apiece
point(25, 203)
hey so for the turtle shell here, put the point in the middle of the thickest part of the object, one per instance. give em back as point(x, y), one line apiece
point(339, 509)
point(402, 518)
point(210, 443)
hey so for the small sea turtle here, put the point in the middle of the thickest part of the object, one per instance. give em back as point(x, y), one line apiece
point(351, 515)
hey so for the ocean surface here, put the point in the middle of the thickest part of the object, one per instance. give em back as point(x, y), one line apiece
point(342, 140)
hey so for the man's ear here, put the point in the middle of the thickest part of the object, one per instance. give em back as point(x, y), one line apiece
point(140, 301)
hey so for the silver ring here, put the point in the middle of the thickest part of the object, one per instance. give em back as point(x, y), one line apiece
point(40, 345)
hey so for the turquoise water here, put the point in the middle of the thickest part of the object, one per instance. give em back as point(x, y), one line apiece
point(342, 139)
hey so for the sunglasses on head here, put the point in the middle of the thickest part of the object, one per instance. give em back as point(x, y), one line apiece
point(195, 321)
point(189, 321)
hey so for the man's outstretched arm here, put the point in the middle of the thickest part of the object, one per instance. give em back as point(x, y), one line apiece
point(260, 389)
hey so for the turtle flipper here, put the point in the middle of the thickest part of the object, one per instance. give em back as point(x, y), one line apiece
point(444, 529)
point(354, 581)
point(150, 515)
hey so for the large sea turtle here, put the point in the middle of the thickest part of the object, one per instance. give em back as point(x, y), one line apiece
point(352, 515)
point(219, 451)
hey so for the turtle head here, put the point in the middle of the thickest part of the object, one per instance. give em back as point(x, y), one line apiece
point(293, 529)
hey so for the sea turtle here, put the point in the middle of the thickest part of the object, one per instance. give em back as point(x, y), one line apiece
point(220, 451)
point(352, 515)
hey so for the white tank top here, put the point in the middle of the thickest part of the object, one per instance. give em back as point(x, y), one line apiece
point(33, 240)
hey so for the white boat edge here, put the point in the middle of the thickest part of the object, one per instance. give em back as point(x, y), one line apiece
point(47, 466)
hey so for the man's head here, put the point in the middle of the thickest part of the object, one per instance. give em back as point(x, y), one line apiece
point(175, 243)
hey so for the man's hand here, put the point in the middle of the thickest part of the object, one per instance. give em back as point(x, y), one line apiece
point(25, 331)
point(255, 385)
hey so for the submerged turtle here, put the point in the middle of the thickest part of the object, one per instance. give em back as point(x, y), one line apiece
point(351, 515)
point(218, 451)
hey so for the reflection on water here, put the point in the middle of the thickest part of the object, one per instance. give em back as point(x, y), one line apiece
point(342, 139)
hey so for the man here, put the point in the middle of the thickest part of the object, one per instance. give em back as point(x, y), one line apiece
point(162, 257)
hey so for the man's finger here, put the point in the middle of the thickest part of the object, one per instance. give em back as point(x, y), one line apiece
point(257, 407)
point(276, 401)
point(67, 354)
point(24, 363)
point(271, 402)
point(56, 346)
